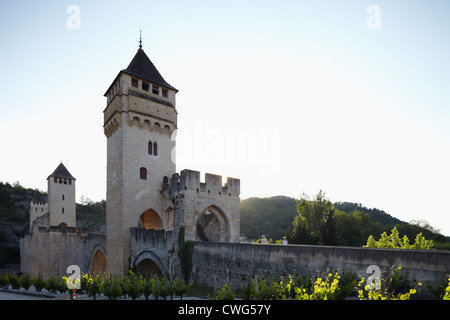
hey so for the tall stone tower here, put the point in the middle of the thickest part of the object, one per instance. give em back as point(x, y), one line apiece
point(139, 120)
point(61, 197)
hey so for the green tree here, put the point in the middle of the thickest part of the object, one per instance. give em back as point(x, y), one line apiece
point(315, 222)
point(185, 251)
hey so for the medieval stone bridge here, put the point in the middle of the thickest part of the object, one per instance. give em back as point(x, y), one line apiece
point(215, 263)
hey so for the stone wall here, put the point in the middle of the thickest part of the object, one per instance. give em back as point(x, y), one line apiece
point(155, 245)
point(50, 250)
point(216, 263)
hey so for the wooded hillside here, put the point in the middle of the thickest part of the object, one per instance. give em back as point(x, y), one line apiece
point(352, 223)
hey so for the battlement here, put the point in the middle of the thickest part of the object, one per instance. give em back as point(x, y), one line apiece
point(63, 229)
point(150, 238)
point(190, 180)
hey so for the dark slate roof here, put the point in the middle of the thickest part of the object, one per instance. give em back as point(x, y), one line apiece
point(143, 68)
point(61, 172)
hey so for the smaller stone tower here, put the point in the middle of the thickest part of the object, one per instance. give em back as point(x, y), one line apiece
point(38, 207)
point(61, 197)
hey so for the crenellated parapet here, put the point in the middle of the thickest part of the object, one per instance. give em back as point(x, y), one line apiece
point(150, 238)
point(190, 180)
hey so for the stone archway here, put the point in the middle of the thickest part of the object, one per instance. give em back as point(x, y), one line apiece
point(98, 263)
point(212, 225)
point(148, 267)
point(150, 220)
point(149, 263)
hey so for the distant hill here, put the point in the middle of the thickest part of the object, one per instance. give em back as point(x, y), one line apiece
point(268, 216)
point(376, 214)
point(273, 216)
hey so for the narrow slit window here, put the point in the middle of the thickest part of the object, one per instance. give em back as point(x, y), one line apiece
point(134, 82)
point(165, 93)
point(143, 173)
point(150, 147)
point(155, 90)
point(62, 210)
point(145, 86)
point(155, 149)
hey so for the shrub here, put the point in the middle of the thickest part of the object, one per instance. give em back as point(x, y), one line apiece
point(14, 281)
point(112, 288)
point(4, 281)
point(393, 241)
point(25, 281)
point(396, 287)
point(447, 291)
point(38, 283)
point(148, 286)
point(225, 293)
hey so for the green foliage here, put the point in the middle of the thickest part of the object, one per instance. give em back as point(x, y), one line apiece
point(315, 222)
point(131, 285)
point(225, 293)
point(394, 287)
point(147, 286)
point(350, 225)
point(112, 288)
point(4, 280)
point(91, 214)
point(56, 284)
point(38, 283)
point(447, 291)
point(269, 216)
point(25, 281)
point(14, 280)
point(91, 285)
point(326, 288)
point(329, 286)
point(394, 241)
point(180, 287)
point(441, 290)
point(185, 251)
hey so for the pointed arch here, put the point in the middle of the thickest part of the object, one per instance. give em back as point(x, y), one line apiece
point(212, 225)
point(97, 263)
point(149, 219)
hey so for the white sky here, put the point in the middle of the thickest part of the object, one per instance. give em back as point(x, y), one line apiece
point(288, 96)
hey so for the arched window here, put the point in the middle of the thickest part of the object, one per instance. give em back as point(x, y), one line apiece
point(165, 180)
point(150, 147)
point(143, 173)
point(155, 149)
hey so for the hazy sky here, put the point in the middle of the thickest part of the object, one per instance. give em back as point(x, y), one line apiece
point(351, 97)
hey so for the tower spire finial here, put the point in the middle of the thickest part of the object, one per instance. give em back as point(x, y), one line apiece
point(140, 39)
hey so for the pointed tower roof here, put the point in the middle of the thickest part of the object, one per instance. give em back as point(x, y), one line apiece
point(143, 68)
point(61, 172)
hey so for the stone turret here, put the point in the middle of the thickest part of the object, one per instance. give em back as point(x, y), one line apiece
point(61, 197)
